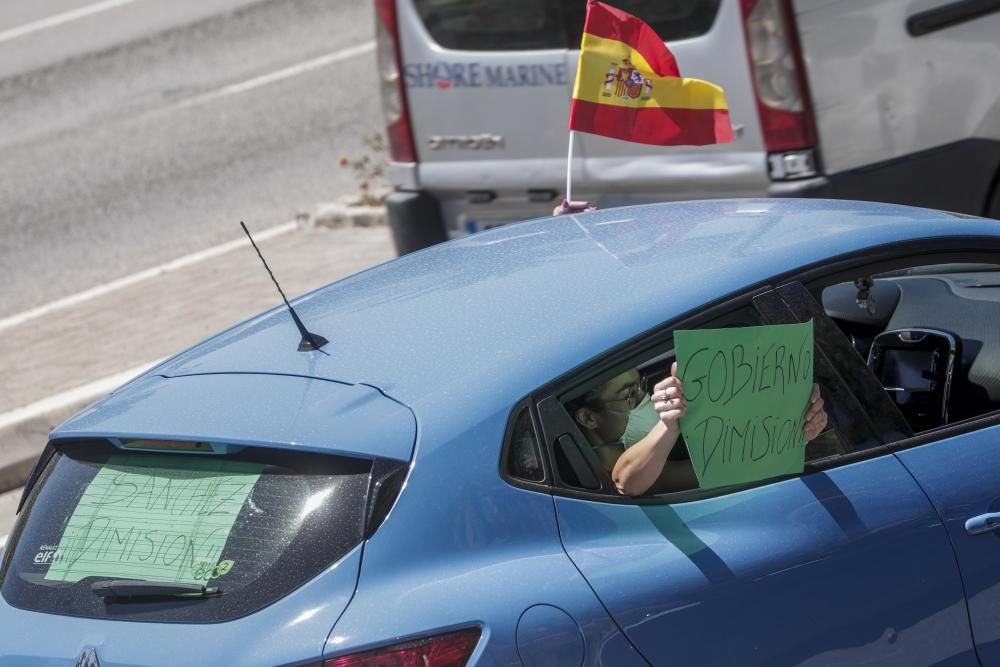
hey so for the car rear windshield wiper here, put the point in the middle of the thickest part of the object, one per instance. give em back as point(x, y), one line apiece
point(137, 588)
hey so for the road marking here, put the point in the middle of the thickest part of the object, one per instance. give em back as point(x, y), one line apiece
point(279, 75)
point(83, 394)
point(107, 288)
point(3, 542)
point(59, 19)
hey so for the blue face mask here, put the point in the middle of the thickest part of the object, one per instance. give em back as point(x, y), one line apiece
point(641, 420)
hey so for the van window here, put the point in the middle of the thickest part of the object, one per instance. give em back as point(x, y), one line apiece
point(518, 25)
point(257, 523)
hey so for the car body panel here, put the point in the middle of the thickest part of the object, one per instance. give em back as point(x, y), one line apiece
point(442, 345)
point(849, 566)
point(291, 630)
point(252, 409)
point(907, 94)
point(959, 475)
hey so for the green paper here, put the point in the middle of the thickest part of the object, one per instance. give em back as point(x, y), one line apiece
point(156, 518)
point(747, 390)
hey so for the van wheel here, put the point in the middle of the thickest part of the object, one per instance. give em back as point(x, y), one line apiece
point(993, 204)
point(416, 221)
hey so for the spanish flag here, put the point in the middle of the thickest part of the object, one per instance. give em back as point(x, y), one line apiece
point(628, 87)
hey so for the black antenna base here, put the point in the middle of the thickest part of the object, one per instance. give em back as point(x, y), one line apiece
point(311, 341)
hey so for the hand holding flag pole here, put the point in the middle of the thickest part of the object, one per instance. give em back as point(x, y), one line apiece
point(628, 87)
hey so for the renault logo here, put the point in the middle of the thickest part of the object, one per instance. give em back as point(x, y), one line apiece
point(88, 659)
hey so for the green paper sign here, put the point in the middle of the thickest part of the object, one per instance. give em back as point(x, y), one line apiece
point(157, 518)
point(747, 390)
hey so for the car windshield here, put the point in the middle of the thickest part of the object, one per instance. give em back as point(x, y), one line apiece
point(255, 522)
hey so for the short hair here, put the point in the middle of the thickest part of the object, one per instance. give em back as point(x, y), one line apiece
point(588, 399)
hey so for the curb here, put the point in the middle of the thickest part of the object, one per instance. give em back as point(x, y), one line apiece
point(26, 439)
point(346, 212)
point(25, 431)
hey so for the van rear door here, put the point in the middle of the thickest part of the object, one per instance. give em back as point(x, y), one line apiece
point(489, 87)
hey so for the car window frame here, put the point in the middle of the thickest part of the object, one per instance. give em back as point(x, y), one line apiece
point(813, 277)
point(545, 483)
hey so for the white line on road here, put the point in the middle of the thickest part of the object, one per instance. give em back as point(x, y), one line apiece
point(179, 263)
point(279, 75)
point(59, 19)
point(86, 393)
point(3, 542)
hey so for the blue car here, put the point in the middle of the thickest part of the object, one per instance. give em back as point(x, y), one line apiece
point(421, 491)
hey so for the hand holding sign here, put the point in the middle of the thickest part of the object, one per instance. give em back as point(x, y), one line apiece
point(749, 411)
point(668, 399)
point(816, 415)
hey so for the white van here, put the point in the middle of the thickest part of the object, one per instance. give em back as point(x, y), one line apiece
point(885, 100)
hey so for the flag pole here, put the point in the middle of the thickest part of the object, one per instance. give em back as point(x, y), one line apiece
point(569, 168)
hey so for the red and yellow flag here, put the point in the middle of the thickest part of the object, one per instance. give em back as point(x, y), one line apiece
point(628, 87)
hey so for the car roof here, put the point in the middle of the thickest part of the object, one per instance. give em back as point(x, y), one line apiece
point(502, 312)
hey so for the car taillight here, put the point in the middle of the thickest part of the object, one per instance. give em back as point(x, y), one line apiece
point(397, 116)
point(779, 82)
point(448, 650)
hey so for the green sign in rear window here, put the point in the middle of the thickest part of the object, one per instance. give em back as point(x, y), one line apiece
point(157, 518)
point(258, 522)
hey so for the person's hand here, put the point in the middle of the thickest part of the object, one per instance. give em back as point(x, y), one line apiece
point(573, 207)
point(668, 399)
point(816, 417)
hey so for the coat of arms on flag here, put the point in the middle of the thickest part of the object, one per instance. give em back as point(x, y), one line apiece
point(627, 82)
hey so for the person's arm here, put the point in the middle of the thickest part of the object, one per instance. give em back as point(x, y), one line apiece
point(640, 466)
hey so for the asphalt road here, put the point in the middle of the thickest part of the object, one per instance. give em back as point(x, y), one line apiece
point(136, 131)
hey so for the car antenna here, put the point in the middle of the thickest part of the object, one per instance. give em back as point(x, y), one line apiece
point(310, 341)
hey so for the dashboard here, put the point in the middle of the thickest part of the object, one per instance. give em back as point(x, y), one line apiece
point(932, 336)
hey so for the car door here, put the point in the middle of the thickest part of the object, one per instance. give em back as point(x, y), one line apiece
point(957, 464)
point(846, 564)
point(959, 472)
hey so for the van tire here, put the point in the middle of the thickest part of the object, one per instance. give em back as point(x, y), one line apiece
point(993, 205)
point(415, 220)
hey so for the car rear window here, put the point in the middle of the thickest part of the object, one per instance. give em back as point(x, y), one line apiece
point(517, 25)
point(255, 522)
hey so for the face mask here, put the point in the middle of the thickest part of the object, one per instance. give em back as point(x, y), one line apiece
point(641, 421)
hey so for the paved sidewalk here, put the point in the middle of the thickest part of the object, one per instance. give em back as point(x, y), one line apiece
point(158, 317)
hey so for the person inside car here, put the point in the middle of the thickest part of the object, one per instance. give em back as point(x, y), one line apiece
point(635, 434)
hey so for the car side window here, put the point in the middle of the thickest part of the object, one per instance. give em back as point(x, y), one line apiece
point(523, 454)
point(928, 333)
point(611, 412)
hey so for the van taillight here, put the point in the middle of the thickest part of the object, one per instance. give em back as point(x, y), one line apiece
point(387, 52)
point(778, 75)
point(448, 650)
